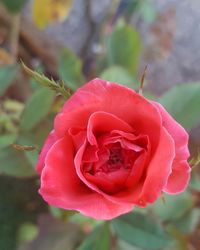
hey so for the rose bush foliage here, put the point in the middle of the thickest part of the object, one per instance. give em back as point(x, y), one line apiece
point(111, 149)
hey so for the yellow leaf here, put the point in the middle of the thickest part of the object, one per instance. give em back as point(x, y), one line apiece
point(49, 11)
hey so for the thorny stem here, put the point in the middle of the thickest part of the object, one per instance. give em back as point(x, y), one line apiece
point(46, 82)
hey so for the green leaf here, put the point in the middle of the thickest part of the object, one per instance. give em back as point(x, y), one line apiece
point(14, 163)
point(7, 75)
point(36, 109)
point(33, 83)
point(97, 240)
point(27, 232)
point(70, 69)
point(119, 75)
point(140, 230)
point(28, 140)
point(183, 103)
point(148, 12)
point(175, 206)
point(55, 211)
point(181, 241)
point(188, 223)
point(7, 139)
point(14, 6)
point(122, 245)
point(195, 181)
point(124, 47)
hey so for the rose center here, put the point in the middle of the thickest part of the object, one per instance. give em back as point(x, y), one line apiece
point(116, 158)
point(114, 167)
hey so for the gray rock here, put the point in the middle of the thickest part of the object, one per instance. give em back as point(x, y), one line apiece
point(182, 65)
point(74, 32)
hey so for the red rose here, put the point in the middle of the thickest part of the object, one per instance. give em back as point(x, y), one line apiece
point(112, 149)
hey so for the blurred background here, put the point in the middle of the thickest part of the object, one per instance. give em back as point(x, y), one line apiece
point(76, 41)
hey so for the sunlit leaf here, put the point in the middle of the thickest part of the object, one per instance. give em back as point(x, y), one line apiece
point(147, 11)
point(13, 106)
point(70, 69)
point(7, 139)
point(140, 230)
point(7, 75)
point(120, 75)
point(183, 102)
point(124, 47)
point(14, 163)
point(49, 11)
point(27, 232)
point(36, 109)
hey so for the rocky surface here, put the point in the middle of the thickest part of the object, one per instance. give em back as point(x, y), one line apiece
point(179, 63)
point(182, 65)
point(74, 32)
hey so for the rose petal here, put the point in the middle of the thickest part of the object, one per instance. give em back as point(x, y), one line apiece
point(61, 187)
point(109, 183)
point(78, 136)
point(179, 178)
point(158, 171)
point(51, 139)
point(180, 175)
point(124, 103)
point(127, 140)
point(137, 170)
point(102, 122)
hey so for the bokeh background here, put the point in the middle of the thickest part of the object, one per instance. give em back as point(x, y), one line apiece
point(75, 41)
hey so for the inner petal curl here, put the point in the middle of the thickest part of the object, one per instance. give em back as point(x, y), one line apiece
point(114, 166)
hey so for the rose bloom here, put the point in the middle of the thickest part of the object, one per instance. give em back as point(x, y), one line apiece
point(112, 149)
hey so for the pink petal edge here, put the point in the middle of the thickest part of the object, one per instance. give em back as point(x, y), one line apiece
point(180, 176)
point(51, 139)
point(61, 187)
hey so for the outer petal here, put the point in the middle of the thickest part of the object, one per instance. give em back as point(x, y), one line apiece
point(51, 139)
point(159, 169)
point(61, 187)
point(126, 104)
point(179, 179)
point(180, 175)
